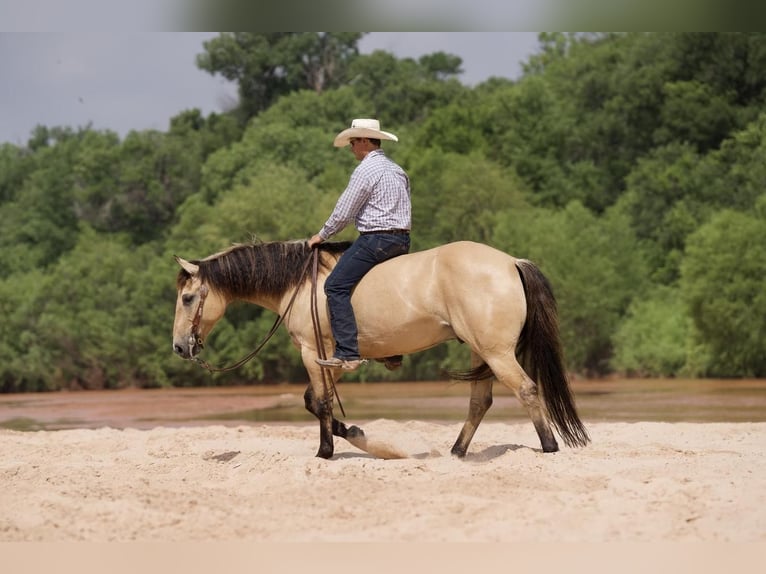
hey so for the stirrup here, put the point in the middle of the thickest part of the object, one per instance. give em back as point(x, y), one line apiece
point(336, 363)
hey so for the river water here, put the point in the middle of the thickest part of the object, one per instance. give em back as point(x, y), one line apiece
point(628, 400)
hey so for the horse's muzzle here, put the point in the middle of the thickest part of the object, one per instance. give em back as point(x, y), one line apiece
point(187, 349)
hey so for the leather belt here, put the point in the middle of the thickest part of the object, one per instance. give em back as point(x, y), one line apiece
point(387, 231)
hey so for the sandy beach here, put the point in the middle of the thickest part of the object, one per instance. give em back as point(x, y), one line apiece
point(636, 482)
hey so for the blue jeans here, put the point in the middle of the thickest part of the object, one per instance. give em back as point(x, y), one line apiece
point(366, 252)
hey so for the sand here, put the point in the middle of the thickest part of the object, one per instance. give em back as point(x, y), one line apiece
point(636, 482)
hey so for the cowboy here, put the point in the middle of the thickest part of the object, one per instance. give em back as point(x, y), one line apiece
point(377, 200)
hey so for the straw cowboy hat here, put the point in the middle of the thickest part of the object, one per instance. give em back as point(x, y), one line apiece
point(363, 128)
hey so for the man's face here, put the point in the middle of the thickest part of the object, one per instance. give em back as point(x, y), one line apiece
point(360, 147)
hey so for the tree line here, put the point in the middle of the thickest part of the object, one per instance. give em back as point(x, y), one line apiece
point(629, 167)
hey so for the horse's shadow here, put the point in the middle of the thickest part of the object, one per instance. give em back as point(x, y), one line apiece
point(493, 452)
point(489, 453)
point(344, 455)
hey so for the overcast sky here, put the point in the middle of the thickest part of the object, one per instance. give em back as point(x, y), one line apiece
point(136, 81)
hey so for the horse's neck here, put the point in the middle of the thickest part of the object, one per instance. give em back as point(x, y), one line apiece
point(270, 303)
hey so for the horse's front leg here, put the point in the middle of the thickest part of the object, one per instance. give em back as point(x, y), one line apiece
point(319, 404)
point(338, 427)
point(318, 400)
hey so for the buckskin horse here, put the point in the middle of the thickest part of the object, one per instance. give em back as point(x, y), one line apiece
point(502, 307)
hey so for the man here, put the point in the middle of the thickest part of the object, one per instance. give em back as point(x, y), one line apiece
point(377, 200)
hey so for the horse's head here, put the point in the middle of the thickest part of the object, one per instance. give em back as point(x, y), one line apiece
point(198, 308)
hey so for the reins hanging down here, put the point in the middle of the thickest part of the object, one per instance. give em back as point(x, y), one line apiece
point(329, 387)
point(318, 331)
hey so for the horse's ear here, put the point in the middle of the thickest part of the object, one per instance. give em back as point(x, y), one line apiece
point(190, 268)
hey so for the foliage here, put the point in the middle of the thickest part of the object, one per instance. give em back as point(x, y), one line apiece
point(722, 283)
point(268, 66)
point(628, 166)
point(459, 197)
point(650, 340)
point(594, 267)
point(405, 91)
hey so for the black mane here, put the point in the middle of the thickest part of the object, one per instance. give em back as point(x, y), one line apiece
point(270, 268)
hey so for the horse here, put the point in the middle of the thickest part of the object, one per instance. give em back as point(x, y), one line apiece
point(502, 307)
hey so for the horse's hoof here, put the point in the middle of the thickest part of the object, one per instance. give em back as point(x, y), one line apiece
point(324, 453)
point(354, 432)
point(458, 452)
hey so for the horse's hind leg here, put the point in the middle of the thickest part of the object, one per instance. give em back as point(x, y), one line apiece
point(481, 400)
point(514, 377)
point(530, 398)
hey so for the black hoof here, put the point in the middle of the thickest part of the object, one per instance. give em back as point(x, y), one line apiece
point(325, 453)
point(458, 452)
point(354, 432)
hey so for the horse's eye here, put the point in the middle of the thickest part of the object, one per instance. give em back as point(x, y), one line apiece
point(187, 298)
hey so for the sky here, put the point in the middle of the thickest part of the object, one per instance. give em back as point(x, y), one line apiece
point(123, 81)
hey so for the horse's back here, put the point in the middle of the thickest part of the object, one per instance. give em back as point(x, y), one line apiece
point(461, 262)
point(460, 289)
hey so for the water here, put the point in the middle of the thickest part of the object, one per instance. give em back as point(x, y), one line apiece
point(670, 400)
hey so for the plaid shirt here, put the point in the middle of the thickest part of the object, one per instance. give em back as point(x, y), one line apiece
point(377, 198)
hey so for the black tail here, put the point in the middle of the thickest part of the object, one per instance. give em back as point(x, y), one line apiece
point(539, 352)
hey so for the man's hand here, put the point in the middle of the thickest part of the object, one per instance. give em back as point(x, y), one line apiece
point(315, 240)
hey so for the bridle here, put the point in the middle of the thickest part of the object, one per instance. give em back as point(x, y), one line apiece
point(194, 336)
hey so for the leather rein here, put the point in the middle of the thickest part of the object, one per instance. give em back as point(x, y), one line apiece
point(313, 262)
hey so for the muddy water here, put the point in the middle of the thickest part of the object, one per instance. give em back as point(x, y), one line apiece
point(614, 400)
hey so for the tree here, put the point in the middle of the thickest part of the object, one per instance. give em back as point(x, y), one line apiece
point(24, 360)
point(459, 197)
point(40, 224)
point(595, 267)
point(298, 131)
point(722, 284)
point(16, 164)
point(404, 91)
point(268, 66)
point(528, 127)
point(98, 318)
point(662, 203)
point(653, 338)
point(695, 114)
point(456, 127)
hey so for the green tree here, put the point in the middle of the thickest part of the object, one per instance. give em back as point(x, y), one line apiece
point(99, 318)
point(528, 127)
point(595, 267)
point(653, 338)
point(404, 91)
point(15, 166)
point(299, 129)
point(268, 66)
point(662, 202)
point(39, 224)
point(24, 359)
point(722, 283)
point(733, 175)
point(694, 113)
point(267, 200)
point(458, 197)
